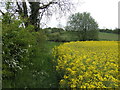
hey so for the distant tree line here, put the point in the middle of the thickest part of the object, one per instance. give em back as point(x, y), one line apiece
point(116, 31)
point(53, 30)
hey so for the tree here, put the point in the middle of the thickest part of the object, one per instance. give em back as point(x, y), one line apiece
point(116, 31)
point(34, 11)
point(84, 24)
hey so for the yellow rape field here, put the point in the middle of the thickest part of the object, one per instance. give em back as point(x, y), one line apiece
point(87, 64)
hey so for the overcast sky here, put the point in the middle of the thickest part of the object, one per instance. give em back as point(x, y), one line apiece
point(105, 12)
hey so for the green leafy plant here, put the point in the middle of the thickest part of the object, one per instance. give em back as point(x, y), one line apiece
point(18, 44)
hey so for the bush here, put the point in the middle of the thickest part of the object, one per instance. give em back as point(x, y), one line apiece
point(18, 45)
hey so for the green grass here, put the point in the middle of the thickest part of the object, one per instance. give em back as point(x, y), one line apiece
point(102, 36)
point(41, 74)
point(73, 36)
point(108, 36)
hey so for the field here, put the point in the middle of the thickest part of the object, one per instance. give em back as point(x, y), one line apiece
point(108, 36)
point(91, 64)
point(73, 36)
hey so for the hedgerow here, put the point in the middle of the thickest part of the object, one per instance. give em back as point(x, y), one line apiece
point(17, 46)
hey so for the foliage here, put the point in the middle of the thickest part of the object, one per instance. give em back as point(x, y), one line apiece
point(26, 57)
point(116, 31)
point(53, 30)
point(18, 45)
point(84, 24)
point(40, 38)
point(39, 74)
point(67, 36)
point(88, 64)
point(54, 34)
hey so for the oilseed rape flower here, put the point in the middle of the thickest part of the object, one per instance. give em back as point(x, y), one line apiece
point(87, 64)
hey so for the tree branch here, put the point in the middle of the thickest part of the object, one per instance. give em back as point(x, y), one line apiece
point(19, 8)
point(2, 12)
point(47, 5)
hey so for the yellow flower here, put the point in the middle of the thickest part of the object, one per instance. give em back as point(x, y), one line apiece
point(62, 82)
point(83, 87)
point(65, 76)
point(88, 63)
point(80, 77)
point(73, 86)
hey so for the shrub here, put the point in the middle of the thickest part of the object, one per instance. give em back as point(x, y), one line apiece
point(18, 44)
